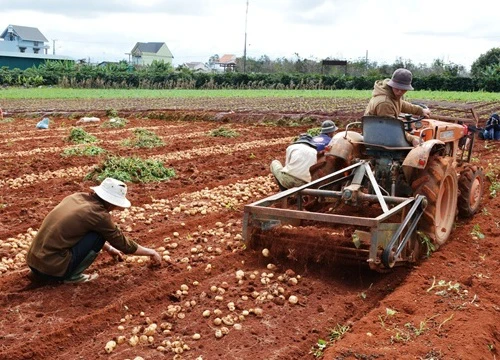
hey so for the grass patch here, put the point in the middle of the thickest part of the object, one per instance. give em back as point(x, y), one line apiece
point(88, 150)
point(6, 120)
point(224, 132)
point(131, 169)
point(144, 139)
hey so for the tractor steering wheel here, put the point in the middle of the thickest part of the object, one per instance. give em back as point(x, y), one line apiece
point(409, 119)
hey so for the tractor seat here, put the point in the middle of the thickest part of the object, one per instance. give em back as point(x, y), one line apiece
point(385, 133)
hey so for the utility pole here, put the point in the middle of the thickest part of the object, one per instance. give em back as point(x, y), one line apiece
point(245, 48)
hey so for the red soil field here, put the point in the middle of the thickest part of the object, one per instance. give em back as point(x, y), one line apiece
point(446, 307)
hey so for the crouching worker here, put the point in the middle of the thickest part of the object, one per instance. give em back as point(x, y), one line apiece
point(300, 156)
point(328, 128)
point(75, 231)
point(492, 129)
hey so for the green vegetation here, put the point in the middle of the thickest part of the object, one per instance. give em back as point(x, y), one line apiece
point(131, 169)
point(417, 330)
point(494, 188)
point(476, 232)
point(335, 334)
point(444, 287)
point(318, 348)
point(115, 122)
point(388, 313)
point(6, 120)
point(314, 131)
point(427, 242)
point(79, 136)
point(492, 175)
point(60, 93)
point(487, 64)
point(400, 336)
point(338, 332)
point(224, 132)
point(112, 113)
point(144, 139)
point(89, 150)
point(263, 73)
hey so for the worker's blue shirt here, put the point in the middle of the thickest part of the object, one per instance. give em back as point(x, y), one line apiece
point(321, 141)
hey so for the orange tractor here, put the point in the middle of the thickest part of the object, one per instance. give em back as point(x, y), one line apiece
point(375, 198)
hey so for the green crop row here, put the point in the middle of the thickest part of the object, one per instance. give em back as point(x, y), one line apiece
point(68, 93)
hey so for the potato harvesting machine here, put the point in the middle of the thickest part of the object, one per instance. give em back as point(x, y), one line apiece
point(374, 198)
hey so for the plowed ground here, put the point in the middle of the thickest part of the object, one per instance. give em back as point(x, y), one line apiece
point(447, 307)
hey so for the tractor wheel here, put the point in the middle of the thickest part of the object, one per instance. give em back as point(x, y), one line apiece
point(438, 183)
point(471, 186)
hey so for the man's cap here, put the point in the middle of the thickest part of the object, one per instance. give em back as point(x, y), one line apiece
point(328, 126)
point(113, 191)
point(401, 79)
point(306, 139)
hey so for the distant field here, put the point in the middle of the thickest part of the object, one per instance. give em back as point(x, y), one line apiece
point(58, 93)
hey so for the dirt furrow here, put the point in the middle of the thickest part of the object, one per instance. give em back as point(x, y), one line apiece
point(255, 306)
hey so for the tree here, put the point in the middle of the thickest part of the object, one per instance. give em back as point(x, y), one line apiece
point(490, 59)
point(212, 61)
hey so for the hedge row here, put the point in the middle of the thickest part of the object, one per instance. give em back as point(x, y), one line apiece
point(168, 79)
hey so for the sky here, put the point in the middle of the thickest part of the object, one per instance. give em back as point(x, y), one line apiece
point(381, 31)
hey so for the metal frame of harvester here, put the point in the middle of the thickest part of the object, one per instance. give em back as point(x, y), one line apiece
point(388, 237)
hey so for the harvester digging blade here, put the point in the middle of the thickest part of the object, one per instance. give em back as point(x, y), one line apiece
point(310, 244)
point(276, 222)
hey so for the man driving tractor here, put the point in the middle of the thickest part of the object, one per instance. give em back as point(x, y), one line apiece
point(387, 99)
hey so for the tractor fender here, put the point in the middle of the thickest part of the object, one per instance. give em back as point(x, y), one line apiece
point(417, 157)
point(344, 145)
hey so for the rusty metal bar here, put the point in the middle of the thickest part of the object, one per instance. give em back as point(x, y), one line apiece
point(264, 213)
point(287, 193)
point(362, 196)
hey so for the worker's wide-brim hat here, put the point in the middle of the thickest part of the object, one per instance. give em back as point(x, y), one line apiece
point(113, 191)
point(328, 126)
point(306, 139)
point(401, 79)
